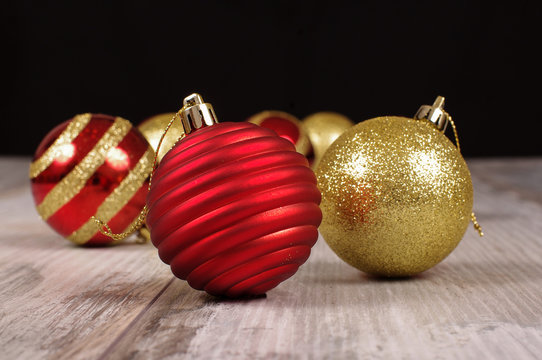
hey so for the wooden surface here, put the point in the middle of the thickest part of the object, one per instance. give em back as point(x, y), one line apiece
point(58, 301)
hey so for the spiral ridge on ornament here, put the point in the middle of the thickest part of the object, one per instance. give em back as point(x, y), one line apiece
point(233, 209)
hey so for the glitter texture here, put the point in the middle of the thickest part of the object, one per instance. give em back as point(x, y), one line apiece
point(73, 130)
point(396, 196)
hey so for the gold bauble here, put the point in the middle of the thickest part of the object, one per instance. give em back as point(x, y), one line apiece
point(323, 128)
point(153, 128)
point(285, 125)
point(396, 196)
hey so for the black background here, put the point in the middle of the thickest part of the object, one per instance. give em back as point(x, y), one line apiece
point(363, 59)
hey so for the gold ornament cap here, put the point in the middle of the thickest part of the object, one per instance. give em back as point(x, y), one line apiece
point(434, 113)
point(196, 114)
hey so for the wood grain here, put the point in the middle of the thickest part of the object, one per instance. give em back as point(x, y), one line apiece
point(57, 300)
point(483, 301)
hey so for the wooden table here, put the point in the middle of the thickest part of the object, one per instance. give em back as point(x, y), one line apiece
point(58, 301)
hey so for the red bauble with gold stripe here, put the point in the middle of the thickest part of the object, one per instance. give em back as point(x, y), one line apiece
point(91, 165)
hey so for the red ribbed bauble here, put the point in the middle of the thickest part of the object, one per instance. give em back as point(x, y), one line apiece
point(91, 165)
point(233, 208)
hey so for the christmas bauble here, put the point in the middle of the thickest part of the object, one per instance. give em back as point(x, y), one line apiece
point(286, 126)
point(396, 196)
point(322, 129)
point(91, 165)
point(233, 209)
point(153, 128)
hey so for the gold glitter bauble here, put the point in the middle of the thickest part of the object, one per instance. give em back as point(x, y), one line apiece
point(153, 128)
point(323, 128)
point(396, 196)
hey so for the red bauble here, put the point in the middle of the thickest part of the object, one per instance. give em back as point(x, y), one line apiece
point(233, 208)
point(91, 165)
point(286, 126)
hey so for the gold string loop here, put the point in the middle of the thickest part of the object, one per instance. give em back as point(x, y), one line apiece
point(106, 230)
point(140, 220)
point(160, 143)
point(472, 216)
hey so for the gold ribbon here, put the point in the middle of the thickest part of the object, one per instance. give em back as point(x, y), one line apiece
point(475, 223)
point(73, 130)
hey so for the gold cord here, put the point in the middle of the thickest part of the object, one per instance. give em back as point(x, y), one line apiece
point(104, 228)
point(476, 225)
point(160, 143)
point(455, 133)
point(472, 215)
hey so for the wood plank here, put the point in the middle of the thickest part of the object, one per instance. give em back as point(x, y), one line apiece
point(57, 300)
point(484, 301)
point(520, 175)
